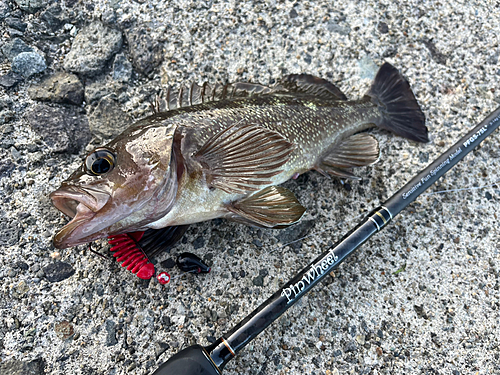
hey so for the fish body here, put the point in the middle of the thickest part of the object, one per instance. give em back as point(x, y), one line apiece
point(225, 156)
point(312, 127)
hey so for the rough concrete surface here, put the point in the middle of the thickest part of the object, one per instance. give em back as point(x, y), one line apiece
point(421, 297)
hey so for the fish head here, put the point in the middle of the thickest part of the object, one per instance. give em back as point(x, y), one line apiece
point(120, 187)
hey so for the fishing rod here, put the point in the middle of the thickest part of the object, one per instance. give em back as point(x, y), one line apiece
point(210, 360)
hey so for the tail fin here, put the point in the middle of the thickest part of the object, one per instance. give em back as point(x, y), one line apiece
point(401, 113)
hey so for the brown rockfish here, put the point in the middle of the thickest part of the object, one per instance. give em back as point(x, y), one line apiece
point(222, 152)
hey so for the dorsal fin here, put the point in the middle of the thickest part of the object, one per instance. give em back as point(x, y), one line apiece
point(311, 85)
point(195, 94)
point(289, 85)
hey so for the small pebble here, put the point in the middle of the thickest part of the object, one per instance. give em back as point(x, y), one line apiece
point(14, 47)
point(28, 64)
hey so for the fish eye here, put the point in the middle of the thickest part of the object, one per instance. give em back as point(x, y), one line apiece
point(99, 162)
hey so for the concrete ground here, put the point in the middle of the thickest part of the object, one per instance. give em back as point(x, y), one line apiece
point(421, 297)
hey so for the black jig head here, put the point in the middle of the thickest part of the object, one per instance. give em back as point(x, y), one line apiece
point(189, 262)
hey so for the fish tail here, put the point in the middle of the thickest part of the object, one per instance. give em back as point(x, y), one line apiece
point(401, 113)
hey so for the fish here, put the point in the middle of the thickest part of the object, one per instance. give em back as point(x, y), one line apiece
point(222, 151)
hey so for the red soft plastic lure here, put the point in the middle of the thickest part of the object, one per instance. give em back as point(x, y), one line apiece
point(125, 248)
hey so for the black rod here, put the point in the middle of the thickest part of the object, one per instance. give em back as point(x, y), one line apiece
point(197, 360)
point(442, 164)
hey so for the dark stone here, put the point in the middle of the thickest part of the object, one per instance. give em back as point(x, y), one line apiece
point(317, 361)
point(168, 263)
point(307, 58)
point(420, 311)
point(28, 64)
point(293, 13)
point(58, 88)
point(4, 9)
point(58, 271)
point(337, 353)
point(107, 120)
point(352, 330)
point(390, 51)
point(96, 91)
point(31, 6)
point(110, 327)
point(6, 167)
point(350, 347)
point(145, 52)
point(6, 116)
point(438, 57)
point(383, 28)
point(364, 327)
point(10, 79)
point(257, 243)
point(15, 367)
point(122, 68)
point(92, 48)
point(166, 321)
point(9, 233)
point(160, 348)
point(16, 23)
point(199, 243)
point(53, 17)
point(258, 281)
point(99, 289)
point(211, 339)
point(64, 129)
point(14, 47)
point(488, 195)
point(21, 265)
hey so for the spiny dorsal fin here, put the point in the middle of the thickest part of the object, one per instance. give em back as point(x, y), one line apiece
point(195, 94)
point(272, 207)
point(311, 85)
point(288, 85)
point(355, 151)
point(243, 158)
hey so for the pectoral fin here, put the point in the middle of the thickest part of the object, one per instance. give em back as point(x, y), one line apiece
point(273, 207)
point(355, 151)
point(243, 158)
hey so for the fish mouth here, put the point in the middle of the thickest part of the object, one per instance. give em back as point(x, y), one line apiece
point(81, 205)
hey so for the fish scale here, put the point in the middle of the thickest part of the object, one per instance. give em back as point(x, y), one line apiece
point(312, 126)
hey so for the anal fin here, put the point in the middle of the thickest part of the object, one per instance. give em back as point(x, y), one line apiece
point(273, 207)
point(240, 159)
point(355, 151)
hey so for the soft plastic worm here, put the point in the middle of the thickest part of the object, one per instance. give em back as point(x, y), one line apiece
point(126, 249)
